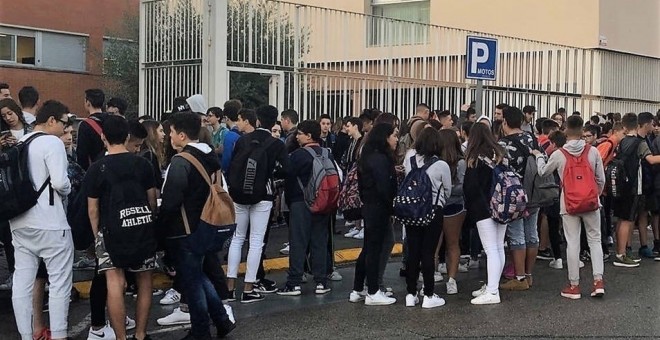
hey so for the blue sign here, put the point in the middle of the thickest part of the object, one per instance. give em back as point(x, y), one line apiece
point(481, 61)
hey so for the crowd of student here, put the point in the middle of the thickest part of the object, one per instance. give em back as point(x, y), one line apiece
point(203, 177)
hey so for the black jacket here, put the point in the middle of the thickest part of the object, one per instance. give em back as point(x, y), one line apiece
point(89, 143)
point(185, 186)
point(377, 180)
point(477, 191)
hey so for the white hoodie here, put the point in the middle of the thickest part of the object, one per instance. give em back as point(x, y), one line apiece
point(557, 162)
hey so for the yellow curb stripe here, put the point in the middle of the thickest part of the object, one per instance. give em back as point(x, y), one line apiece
point(162, 281)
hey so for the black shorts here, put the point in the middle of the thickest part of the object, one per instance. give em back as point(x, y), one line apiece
point(627, 207)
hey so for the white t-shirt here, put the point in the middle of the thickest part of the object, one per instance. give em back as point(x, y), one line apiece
point(46, 157)
point(18, 134)
point(29, 118)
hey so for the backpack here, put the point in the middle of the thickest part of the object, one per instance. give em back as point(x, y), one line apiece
point(579, 183)
point(508, 198)
point(218, 211)
point(542, 191)
point(78, 218)
point(322, 191)
point(623, 172)
point(249, 177)
point(126, 218)
point(349, 202)
point(413, 203)
point(606, 151)
point(17, 192)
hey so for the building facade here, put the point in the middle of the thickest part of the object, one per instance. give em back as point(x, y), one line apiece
point(57, 46)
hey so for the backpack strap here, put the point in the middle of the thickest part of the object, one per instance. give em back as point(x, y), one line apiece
point(429, 162)
point(46, 184)
point(202, 171)
point(489, 162)
point(94, 125)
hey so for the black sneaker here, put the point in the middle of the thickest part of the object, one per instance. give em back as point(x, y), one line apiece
point(225, 328)
point(192, 337)
point(290, 291)
point(585, 256)
point(545, 255)
point(250, 297)
point(322, 288)
point(232, 296)
point(131, 290)
point(264, 287)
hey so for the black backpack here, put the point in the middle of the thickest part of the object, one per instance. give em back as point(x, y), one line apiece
point(622, 173)
point(126, 219)
point(78, 218)
point(17, 192)
point(250, 172)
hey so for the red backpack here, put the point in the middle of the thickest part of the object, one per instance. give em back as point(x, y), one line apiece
point(579, 183)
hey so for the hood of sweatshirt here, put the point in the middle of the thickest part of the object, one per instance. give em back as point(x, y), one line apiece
point(204, 153)
point(574, 147)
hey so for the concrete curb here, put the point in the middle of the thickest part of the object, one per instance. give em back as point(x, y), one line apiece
point(162, 281)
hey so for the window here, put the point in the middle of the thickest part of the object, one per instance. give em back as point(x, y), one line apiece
point(43, 49)
point(414, 16)
point(17, 48)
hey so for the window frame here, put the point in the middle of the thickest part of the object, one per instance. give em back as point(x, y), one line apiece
point(37, 34)
point(376, 23)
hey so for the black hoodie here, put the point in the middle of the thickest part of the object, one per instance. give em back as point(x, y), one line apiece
point(185, 186)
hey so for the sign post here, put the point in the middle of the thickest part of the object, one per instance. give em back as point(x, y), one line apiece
point(481, 64)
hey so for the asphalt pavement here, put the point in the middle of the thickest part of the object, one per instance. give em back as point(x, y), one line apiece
point(630, 309)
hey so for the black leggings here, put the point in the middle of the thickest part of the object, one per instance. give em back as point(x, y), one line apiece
point(376, 224)
point(5, 237)
point(554, 222)
point(422, 242)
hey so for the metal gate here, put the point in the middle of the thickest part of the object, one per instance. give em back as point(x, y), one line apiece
point(337, 62)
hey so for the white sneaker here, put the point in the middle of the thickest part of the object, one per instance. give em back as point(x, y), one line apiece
point(105, 333)
point(357, 296)
point(452, 287)
point(437, 277)
point(335, 276)
point(7, 284)
point(230, 313)
point(388, 291)
point(130, 323)
point(411, 300)
point(285, 250)
point(171, 297)
point(433, 301)
point(176, 318)
point(442, 268)
point(581, 264)
point(352, 232)
point(557, 264)
point(359, 235)
point(479, 291)
point(462, 267)
point(378, 299)
point(486, 299)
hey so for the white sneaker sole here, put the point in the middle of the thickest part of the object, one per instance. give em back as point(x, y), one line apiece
point(379, 303)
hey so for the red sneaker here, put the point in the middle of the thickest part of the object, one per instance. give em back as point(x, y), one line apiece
point(598, 288)
point(571, 292)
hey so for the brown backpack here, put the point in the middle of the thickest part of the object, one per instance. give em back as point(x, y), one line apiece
point(218, 210)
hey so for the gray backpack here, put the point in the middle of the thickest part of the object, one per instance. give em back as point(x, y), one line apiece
point(542, 191)
point(322, 191)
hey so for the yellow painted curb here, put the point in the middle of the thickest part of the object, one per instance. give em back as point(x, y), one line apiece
point(162, 281)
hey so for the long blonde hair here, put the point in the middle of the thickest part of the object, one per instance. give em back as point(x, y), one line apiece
point(152, 142)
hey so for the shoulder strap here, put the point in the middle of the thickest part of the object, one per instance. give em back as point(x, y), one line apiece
point(94, 125)
point(489, 162)
point(200, 168)
point(430, 162)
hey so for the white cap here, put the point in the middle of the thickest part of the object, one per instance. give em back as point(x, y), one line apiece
point(486, 118)
point(197, 103)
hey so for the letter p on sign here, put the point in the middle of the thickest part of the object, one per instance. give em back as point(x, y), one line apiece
point(481, 54)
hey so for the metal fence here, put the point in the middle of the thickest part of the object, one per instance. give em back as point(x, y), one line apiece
point(339, 62)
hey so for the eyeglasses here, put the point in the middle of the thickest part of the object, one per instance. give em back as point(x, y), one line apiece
point(66, 123)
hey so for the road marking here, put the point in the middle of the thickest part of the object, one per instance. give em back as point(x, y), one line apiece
point(169, 329)
point(81, 326)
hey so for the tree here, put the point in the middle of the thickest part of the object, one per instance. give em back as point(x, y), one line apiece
point(177, 41)
point(121, 62)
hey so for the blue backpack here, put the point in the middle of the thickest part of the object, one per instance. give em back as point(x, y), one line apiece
point(413, 203)
point(508, 200)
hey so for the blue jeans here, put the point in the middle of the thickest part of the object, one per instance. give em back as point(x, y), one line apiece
point(307, 231)
point(203, 300)
point(523, 233)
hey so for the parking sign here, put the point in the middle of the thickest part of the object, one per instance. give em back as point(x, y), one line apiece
point(481, 61)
